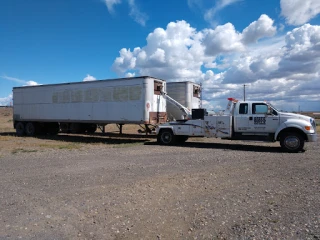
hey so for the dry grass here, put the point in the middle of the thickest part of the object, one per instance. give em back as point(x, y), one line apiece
point(22, 150)
point(68, 146)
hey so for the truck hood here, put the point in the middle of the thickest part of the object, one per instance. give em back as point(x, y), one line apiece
point(285, 116)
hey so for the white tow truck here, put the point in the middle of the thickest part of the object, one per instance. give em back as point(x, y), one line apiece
point(242, 120)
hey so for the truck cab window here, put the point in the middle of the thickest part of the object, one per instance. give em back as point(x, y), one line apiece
point(243, 108)
point(259, 108)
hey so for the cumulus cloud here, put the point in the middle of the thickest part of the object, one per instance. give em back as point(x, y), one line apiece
point(179, 51)
point(6, 101)
point(301, 52)
point(223, 59)
point(89, 78)
point(222, 39)
point(173, 52)
point(129, 75)
point(261, 28)
point(297, 12)
point(31, 83)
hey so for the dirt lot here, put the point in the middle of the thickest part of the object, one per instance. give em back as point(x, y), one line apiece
point(128, 187)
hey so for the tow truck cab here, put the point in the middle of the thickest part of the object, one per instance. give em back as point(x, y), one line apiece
point(256, 118)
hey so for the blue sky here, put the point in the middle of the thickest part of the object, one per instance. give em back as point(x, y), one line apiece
point(272, 46)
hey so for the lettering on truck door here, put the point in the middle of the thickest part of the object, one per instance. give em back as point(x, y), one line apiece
point(261, 121)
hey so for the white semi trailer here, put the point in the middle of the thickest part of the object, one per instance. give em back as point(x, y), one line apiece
point(81, 106)
point(186, 93)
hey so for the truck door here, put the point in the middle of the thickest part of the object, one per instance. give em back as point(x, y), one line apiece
point(241, 123)
point(261, 121)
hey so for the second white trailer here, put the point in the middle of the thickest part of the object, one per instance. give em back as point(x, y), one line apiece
point(187, 94)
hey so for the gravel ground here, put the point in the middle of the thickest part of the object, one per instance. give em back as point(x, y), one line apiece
point(214, 189)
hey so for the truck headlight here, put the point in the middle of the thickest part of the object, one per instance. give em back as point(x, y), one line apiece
point(313, 123)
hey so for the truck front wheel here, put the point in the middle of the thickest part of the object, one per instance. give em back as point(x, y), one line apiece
point(181, 139)
point(292, 142)
point(166, 137)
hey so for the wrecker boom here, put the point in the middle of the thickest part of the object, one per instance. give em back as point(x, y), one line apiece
point(185, 111)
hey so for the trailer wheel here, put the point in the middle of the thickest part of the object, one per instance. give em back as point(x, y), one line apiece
point(20, 130)
point(30, 129)
point(292, 142)
point(166, 137)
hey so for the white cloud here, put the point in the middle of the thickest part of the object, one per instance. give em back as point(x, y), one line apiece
point(174, 52)
point(110, 4)
point(6, 101)
point(17, 80)
point(136, 14)
point(89, 78)
point(31, 83)
point(21, 81)
point(298, 12)
point(129, 75)
point(284, 67)
point(194, 3)
point(301, 52)
point(261, 28)
point(211, 13)
point(223, 39)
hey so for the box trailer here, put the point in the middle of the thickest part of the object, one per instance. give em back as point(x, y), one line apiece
point(81, 106)
point(187, 94)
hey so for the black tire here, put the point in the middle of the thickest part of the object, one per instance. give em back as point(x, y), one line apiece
point(181, 139)
point(292, 142)
point(30, 129)
point(20, 129)
point(166, 137)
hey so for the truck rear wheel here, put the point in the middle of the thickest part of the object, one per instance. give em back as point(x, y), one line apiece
point(291, 142)
point(20, 129)
point(181, 139)
point(30, 129)
point(166, 137)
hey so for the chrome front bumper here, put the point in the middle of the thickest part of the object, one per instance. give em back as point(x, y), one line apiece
point(312, 137)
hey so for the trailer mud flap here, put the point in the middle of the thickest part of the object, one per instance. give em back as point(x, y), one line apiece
point(157, 117)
